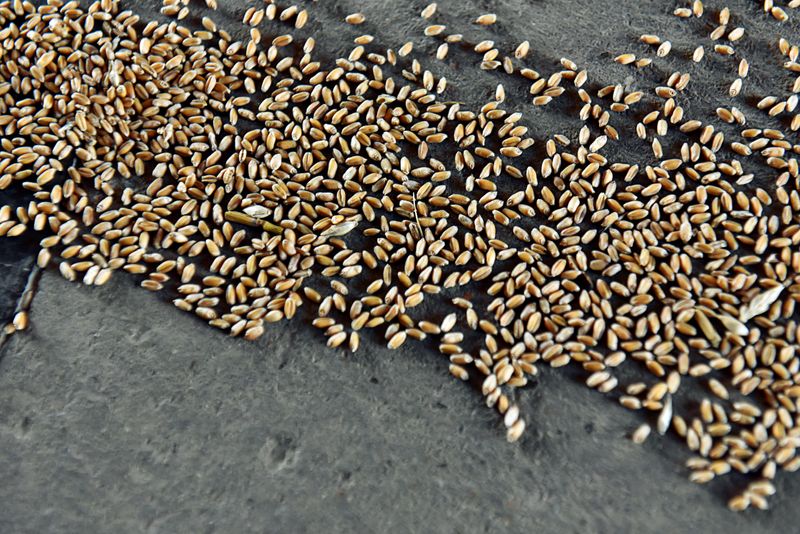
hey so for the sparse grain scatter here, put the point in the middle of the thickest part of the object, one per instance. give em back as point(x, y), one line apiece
point(487, 19)
point(355, 18)
point(429, 11)
point(641, 433)
point(247, 181)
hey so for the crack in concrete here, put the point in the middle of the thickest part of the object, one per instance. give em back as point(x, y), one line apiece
point(23, 304)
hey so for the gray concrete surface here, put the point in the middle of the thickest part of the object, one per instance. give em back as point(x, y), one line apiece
point(120, 414)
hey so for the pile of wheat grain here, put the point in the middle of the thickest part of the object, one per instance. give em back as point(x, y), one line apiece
point(247, 180)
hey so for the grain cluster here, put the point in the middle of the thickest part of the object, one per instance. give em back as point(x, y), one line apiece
point(249, 181)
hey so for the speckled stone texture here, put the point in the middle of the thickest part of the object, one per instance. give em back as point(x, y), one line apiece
point(120, 414)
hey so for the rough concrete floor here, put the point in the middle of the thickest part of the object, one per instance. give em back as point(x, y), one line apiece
point(120, 414)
